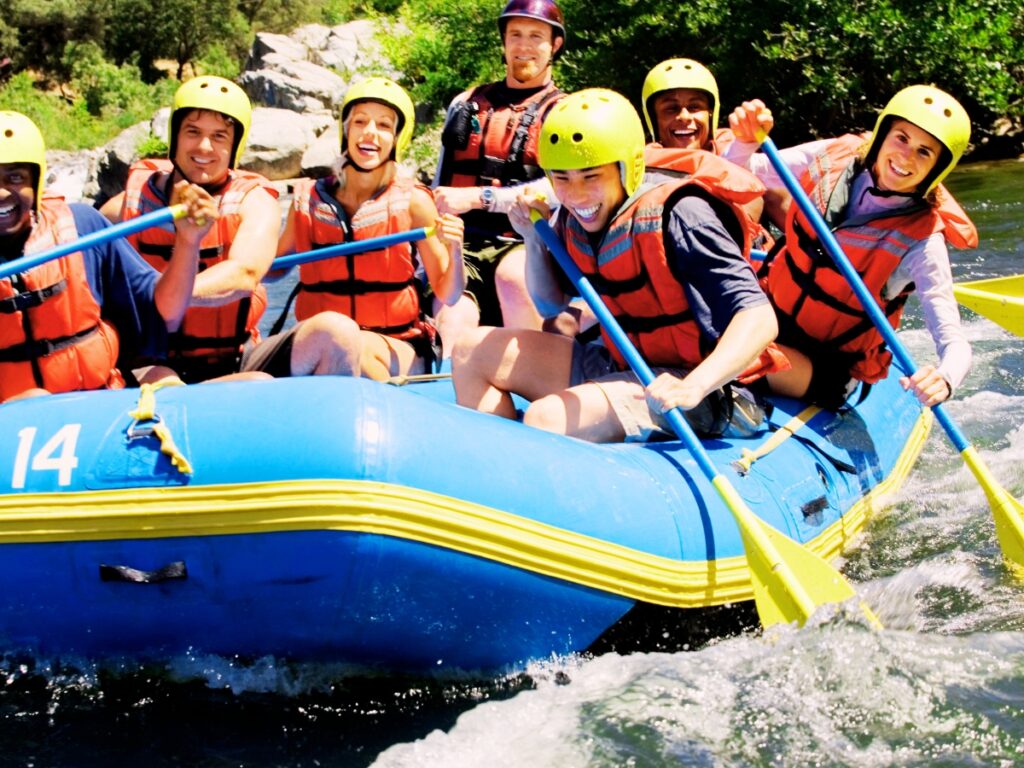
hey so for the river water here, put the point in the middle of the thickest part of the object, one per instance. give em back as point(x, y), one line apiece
point(942, 685)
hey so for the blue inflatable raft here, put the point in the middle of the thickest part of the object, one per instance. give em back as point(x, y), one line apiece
point(339, 519)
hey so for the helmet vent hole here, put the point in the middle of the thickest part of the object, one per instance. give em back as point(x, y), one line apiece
point(928, 100)
point(554, 138)
point(8, 133)
point(205, 85)
point(947, 112)
point(577, 137)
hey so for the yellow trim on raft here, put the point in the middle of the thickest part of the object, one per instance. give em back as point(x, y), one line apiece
point(407, 513)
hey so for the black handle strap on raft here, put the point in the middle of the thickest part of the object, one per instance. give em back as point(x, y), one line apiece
point(171, 572)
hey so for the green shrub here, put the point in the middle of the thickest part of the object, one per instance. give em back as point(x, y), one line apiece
point(152, 146)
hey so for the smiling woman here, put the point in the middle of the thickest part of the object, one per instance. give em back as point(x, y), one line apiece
point(882, 195)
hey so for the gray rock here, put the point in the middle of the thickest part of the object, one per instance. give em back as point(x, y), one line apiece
point(278, 140)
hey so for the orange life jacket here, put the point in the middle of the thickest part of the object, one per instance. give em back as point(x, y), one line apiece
point(375, 288)
point(214, 333)
point(730, 182)
point(632, 274)
point(813, 300)
point(51, 332)
point(499, 149)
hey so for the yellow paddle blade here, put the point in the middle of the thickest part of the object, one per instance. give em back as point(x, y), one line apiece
point(1001, 300)
point(790, 582)
point(1007, 511)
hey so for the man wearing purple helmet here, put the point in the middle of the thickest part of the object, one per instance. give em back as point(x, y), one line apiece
point(489, 144)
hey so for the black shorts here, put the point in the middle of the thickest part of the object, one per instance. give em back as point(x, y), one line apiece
point(273, 355)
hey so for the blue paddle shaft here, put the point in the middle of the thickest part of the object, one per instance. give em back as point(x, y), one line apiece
point(105, 235)
point(867, 301)
point(356, 246)
point(621, 340)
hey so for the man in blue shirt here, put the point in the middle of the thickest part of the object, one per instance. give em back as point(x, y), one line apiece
point(65, 324)
point(668, 261)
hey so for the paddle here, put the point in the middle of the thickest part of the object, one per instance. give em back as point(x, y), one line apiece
point(105, 235)
point(1000, 299)
point(356, 246)
point(1008, 512)
point(789, 581)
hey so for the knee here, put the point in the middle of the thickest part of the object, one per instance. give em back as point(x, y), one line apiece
point(510, 274)
point(331, 327)
point(546, 413)
point(466, 344)
point(328, 343)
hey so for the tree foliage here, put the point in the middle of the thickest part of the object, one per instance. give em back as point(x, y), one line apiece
point(824, 66)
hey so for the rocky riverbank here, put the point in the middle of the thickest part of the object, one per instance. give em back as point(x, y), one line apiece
point(296, 83)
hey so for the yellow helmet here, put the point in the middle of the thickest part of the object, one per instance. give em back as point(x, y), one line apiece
point(594, 127)
point(391, 94)
point(931, 110)
point(216, 95)
point(678, 73)
point(21, 142)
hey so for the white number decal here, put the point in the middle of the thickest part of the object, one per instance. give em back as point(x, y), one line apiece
point(57, 454)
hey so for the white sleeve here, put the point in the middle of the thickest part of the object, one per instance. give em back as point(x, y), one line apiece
point(927, 264)
point(505, 197)
point(797, 159)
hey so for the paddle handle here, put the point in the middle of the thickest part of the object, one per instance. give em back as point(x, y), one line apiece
point(356, 246)
point(105, 235)
point(867, 301)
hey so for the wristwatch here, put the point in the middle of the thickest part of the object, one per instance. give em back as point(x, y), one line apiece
point(487, 198)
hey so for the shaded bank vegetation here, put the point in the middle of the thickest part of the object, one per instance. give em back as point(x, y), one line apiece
point(87, 68)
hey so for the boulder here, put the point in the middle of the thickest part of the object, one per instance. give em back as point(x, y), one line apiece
point(301, 86)
point(116, 157)
point(277, 142)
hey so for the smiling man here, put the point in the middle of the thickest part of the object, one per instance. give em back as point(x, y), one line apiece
point(489, 145)
point(681, 105)
point(668, 259)
point(209, 124)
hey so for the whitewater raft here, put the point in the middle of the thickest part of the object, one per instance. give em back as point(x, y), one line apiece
point(338, 519)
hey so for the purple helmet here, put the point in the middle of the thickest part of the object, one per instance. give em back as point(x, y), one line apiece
point(541, 10)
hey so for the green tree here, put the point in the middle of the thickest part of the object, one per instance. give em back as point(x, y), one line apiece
point(145, 31)
point(448, 46)
point(38, 30)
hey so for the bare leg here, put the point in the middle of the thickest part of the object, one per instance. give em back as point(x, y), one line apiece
point(384, 357)
point(489, 363)
point(582, 411)
point(517, 308)
point(327, 343)
point(241, 376)
point(794, 382)
point(455, 320)
point(151, 374)
point(33, 392)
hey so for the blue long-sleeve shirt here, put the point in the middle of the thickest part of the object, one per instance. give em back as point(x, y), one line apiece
point(123, 284)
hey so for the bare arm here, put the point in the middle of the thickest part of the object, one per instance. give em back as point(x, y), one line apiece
point(541, 272)
point(441, 252)
point(249, 258)
point(746, 336)
point(112, 208)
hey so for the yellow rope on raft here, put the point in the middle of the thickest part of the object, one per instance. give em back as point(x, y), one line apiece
point(145, 411)
point(742, 465)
